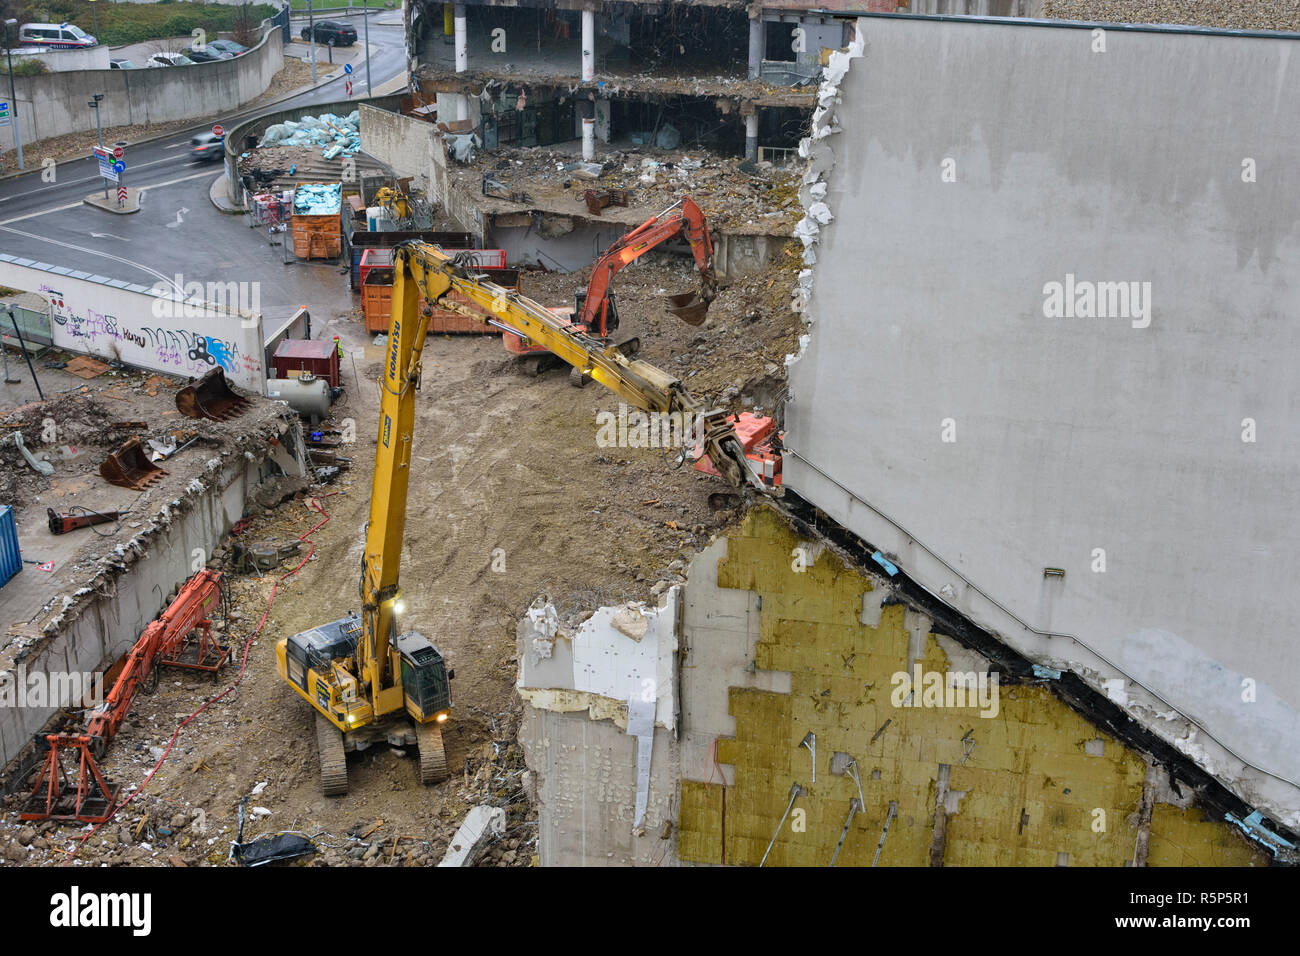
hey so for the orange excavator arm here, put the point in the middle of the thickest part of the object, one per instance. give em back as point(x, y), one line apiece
point(683, 219)
point(160, 638)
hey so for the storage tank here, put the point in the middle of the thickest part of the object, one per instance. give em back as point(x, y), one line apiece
point(307, 395)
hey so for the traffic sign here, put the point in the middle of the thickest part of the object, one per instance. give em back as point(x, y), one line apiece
point(121, 194)
point(46, 566)
point(347, 68)
point(218, 130)
point(347, 87)
point(119, 167)
point(108, 167)
point(5, 114)
point(118, 152)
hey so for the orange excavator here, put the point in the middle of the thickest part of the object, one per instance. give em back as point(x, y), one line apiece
point(596, 309)
point(181, 637)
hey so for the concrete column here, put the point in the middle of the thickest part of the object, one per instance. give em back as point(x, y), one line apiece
point(588, 45)
point(751, 136)
point(462, 39)
point(588, 111)
point(755, 44)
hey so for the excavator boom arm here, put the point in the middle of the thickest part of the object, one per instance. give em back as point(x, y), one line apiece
point(686, 220)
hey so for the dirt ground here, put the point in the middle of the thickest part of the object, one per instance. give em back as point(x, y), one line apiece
point(510, 497)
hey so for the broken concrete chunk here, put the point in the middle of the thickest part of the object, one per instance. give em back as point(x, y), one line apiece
point(630, 621)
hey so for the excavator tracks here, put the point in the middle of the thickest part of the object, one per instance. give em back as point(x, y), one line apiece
point(333, 759)
point(433, 761)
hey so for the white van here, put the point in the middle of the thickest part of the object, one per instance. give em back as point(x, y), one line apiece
point(56, 36)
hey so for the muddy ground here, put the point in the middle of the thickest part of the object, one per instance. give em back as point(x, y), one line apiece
point(511, 497)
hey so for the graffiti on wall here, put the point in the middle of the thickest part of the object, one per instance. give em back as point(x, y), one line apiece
point(180, 349)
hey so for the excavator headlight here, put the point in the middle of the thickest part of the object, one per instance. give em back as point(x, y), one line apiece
point(399, 606)
point(442, 718)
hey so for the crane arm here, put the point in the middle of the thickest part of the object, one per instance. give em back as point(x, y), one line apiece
point(684, 219)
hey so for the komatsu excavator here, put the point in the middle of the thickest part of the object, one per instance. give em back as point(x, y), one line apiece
point(369, 677)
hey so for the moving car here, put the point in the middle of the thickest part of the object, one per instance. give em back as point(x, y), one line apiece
point(169, 59)
point(207, 148)
point(228, 46)
point(57, 36)
point(207, 55)
point(121, 65)
point(332, 32)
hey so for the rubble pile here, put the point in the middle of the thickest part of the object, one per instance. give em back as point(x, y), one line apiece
point(733, 193)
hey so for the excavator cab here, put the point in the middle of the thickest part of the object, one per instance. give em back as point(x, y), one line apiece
point(426, 681)
point(611, 314)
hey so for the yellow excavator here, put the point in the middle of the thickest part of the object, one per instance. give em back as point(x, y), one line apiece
point(369, 678)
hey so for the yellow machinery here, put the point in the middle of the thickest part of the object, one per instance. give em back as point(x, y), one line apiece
point(369, 680)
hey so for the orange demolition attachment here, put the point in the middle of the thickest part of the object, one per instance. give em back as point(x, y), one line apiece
point(596, 312)
point(181, 637)
point(762, 444)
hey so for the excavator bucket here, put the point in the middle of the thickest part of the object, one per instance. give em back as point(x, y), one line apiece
point(210, 397)
point(130, 467)
point(689, 307)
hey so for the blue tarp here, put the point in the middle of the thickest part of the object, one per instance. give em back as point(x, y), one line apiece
point(318, 199)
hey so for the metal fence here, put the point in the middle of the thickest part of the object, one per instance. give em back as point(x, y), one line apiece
point(33, 325)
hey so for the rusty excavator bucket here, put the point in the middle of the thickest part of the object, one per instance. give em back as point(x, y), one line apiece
point(130, 467)
point(210, 397)
point(690, 307)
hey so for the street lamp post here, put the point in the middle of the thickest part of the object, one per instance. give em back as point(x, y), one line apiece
point(365, 14)
point(13, 95)
point(311, 38)
point(99, 130)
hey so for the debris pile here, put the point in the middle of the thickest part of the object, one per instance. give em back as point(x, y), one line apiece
point(336, 135)
point(733, 193)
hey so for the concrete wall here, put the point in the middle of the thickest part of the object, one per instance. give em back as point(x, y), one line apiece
point(102, 623)
point(940, 413)
point(774, 651)
point(139, 326)
point(96, 58)
point(402, 142)
point(582, 739)
point(55, 103)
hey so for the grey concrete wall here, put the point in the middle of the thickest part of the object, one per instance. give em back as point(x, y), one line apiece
point(150, 328)
point(55, 103)
point(95, 58)
point(1075, 434)
point(401, 142)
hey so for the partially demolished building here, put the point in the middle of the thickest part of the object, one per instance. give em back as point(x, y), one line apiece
point(1069, 504)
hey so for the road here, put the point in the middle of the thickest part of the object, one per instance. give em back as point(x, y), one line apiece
point(177, 230)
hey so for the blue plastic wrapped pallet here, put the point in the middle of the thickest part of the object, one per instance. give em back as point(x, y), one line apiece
point(11, 559)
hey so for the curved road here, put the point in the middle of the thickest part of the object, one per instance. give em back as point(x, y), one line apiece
point(177, 230)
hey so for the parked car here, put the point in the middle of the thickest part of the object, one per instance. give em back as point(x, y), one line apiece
point(207, 148)
point(121, 65)
point(332, 32)
point(58, 36)
point(207, 55)
point(169, 59)
point(228, 46)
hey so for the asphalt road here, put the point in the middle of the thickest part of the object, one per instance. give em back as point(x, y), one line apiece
point(177, 230)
